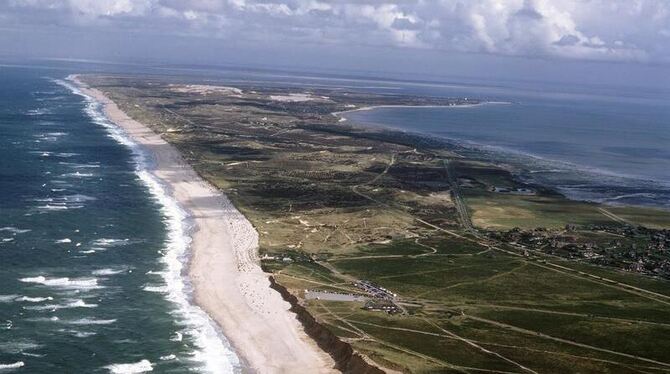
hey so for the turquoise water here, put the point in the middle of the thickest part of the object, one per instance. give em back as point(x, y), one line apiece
point(91, 249)
point(611, 149)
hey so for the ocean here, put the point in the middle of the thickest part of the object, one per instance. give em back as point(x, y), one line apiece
point(611, 147)
point(92, 250)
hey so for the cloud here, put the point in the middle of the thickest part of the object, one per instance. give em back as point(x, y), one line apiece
point(612, 30)
point(89, 8)
point(404, 23)
point(567, 40)
point(529, 11)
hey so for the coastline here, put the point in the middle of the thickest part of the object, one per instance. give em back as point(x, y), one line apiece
point(224, 269)
point(526, 164)
point(373, 107)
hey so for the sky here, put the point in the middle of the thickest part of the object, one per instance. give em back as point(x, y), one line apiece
point(592, 41)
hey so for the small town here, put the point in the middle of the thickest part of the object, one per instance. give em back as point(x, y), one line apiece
point(631, 248)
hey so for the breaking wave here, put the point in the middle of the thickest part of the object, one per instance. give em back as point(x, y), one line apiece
point(138, 367)
point(64, 282)
point(213, 350)
point(16, 365)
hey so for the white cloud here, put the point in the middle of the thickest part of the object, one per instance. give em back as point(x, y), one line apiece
point(93, 8)
point(637, 30)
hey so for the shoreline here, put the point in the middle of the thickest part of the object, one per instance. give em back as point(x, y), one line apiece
point(223, 265)
point(510, 157)
point(373, 107)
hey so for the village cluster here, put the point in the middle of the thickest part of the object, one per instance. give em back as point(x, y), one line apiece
point(631, 248)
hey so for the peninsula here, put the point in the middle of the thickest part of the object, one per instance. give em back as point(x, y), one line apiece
point(414, 253)
point(224, 267)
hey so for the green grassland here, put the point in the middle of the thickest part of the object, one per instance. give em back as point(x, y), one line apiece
point(472, 310)
point(344, 204)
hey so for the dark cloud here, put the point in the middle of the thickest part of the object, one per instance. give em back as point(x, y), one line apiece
point(566, 40)
point(529, 13)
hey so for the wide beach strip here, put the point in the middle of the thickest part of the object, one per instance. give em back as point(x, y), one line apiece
point(224, 267)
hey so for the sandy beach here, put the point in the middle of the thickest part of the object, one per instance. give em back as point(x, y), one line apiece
point(224, 266)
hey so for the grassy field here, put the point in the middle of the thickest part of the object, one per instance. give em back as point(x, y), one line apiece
point(500, 211)
point(335, 204)
point(471, 310)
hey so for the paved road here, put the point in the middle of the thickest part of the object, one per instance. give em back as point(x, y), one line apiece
point(461, 208)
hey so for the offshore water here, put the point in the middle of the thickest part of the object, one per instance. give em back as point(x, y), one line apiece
point(611, 148)
point(91, 248)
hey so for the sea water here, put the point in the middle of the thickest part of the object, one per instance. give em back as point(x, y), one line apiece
point(92, 250)
point(612, 148)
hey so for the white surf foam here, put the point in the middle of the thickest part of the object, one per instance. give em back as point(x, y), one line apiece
point(69, 305)
point(44, 319)
point(77, 198)
point(83, 334)
point(64, 202)
point(32, 354)
point(75, 165)
point(50, 136)
point(45, 200)
point(15, 365)
point(109, 271)
point(14, 230)
point(77, 174)
point(8, 298)
point(138, 367)
point(66, 154)
point(64, 282)
point(77, 333)
point(80, 304)
point(33, 299)
point(51, 207)
point(38, 111)
point(157, 289)
point(213, 349)
point(153, 272)
point(111, 242)
point(91, 321)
